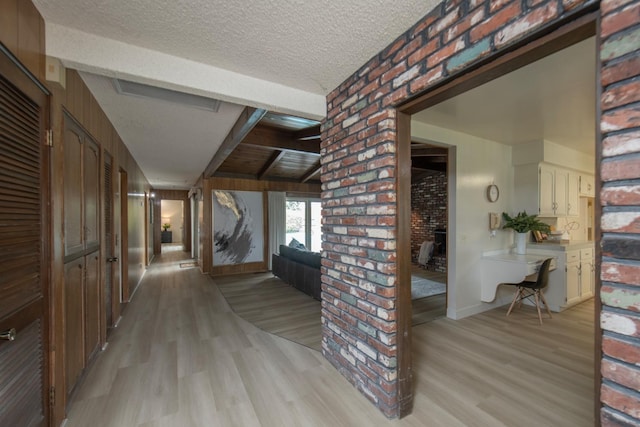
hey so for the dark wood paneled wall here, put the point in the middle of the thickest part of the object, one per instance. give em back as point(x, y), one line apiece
point(236, 184)
point(22, 32)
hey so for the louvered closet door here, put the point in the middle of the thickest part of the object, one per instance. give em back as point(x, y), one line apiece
point(23, 247)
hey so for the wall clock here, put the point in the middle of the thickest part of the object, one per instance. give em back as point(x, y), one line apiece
point(493, 193)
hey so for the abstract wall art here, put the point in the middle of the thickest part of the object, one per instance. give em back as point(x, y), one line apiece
point(238, 232)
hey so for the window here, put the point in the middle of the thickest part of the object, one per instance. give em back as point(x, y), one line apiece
point(304, 222)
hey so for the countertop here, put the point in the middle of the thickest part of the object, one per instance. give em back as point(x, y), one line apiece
point(561, 246)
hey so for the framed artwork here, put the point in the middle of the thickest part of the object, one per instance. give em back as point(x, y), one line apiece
point(238, 232)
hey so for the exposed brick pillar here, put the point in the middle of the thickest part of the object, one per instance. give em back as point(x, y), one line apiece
point(359, 307)
point(620, 174)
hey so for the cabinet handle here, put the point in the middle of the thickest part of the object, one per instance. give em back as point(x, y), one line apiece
point(8, 335)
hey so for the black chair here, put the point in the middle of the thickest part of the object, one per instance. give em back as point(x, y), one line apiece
point(527, 289)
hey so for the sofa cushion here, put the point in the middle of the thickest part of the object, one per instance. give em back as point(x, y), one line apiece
point(312, 259)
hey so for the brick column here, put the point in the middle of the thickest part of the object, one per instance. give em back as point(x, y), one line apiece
point(359, 146)
point(620, 173)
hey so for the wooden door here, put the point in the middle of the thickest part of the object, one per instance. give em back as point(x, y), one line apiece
point(73, 322)
point(91, 191)
point(24, 250)
point(92, 305)
point(73, 233)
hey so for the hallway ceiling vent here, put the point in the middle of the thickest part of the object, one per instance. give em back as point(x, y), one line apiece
point(124, 87)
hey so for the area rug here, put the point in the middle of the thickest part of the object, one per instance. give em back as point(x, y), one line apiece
point(422, 288)
point(189, 264)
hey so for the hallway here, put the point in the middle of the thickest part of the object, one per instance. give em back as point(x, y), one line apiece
point(181, 357)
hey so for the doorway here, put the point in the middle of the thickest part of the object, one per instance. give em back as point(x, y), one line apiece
point(172, 223)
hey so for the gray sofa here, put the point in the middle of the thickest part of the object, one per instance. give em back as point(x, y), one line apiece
point(298, 268)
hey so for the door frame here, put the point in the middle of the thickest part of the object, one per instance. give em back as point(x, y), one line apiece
point(539, 44)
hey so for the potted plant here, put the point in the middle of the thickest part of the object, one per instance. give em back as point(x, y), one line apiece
point(523, 224)
point(166, 226)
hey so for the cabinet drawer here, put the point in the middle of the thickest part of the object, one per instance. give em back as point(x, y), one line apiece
point(573, 256)
point(586, 254)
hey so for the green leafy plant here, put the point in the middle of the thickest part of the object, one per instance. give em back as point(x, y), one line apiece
point(166, 226)
point(521, 223)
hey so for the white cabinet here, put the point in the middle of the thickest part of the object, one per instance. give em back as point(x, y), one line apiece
point(572, 270)
point(587, 273)
point(573, 197)
point(547, 190)
point(587, 186)
point(573, 280)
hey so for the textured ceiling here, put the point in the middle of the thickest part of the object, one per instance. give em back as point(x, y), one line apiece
point(280, 55)
point(309, 45)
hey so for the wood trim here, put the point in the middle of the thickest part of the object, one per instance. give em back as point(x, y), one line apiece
point(542, 43)
point(403, 289)
point(597, 207)
point(247, 121)
point(308, 133)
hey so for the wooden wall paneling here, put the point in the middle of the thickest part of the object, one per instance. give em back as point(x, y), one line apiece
point(91, 194)
point(30, 39)
point(9, 24)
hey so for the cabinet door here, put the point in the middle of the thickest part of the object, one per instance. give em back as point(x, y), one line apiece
point(91, 171)
point(74, 314)
point(573, 199)
point(573, 282)
point(587, 277)
point(546, 191)
point(92, 305)
point(561, 186)
point(73, 241)
point(587, 186)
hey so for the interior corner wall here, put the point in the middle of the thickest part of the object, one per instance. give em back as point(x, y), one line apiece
point(361, 334)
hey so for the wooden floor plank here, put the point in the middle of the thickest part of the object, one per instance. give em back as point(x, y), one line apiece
point(182, 357)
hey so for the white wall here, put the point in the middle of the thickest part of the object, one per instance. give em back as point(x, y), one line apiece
point(474, 163)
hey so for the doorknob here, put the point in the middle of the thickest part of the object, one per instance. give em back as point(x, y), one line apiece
point(112, 259)
point(8, 335)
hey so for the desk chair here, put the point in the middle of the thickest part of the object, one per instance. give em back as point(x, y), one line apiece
point(528, 289)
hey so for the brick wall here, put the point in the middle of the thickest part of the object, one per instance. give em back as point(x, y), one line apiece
point(359, 310)
point(428, 212)
point(620, 172)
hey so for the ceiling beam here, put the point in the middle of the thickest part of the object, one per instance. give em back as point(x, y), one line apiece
point(308, 133)
point(313, 170)
point(271, 163)
point(248, 119)
point(263, 136)
point(417, 151)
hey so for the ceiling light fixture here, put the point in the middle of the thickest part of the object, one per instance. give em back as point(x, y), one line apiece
point(124, 87)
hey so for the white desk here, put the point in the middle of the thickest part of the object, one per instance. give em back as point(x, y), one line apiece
point(507, 268)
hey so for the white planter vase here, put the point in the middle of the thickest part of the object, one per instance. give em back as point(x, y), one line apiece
point(521, 243)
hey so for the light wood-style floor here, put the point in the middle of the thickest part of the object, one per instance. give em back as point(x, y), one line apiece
point(181, 357)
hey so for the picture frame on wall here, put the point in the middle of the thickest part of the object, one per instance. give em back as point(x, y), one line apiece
point(238, 232)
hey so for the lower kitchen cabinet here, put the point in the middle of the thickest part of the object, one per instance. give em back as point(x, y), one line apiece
point(573, 280)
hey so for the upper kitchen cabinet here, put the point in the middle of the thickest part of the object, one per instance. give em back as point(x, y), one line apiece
point(587, 186)
point(546, 190)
